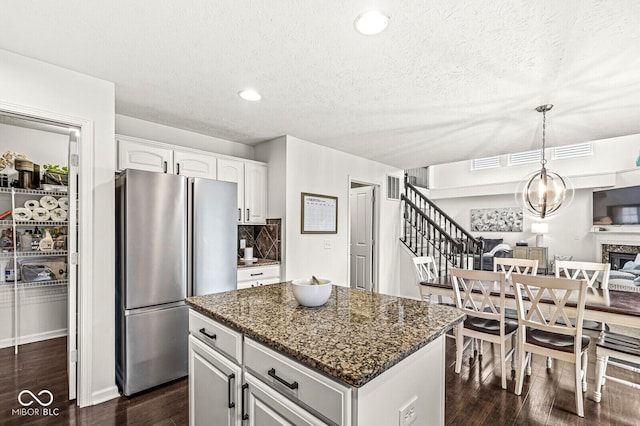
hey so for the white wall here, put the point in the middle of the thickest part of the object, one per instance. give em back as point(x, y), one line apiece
point(27, 84)
point(609, 155)
point(612, 165)
point(316, 169)
point(130, 126)
point(274, 153)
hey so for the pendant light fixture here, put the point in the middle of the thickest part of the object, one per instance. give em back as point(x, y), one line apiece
point(543, 192)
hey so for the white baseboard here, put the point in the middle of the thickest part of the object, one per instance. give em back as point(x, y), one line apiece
point(5, 343)
point(104, 395)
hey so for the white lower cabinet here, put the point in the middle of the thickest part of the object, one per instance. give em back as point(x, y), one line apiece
point(234, 380)
point(215, 387)
point(265, 407)
point(253, 276)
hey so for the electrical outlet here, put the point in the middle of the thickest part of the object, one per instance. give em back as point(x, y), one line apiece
point(327, 244)
point(243, 243)
point(408, 413)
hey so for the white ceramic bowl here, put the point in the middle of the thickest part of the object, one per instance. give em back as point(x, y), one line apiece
point(311, 295)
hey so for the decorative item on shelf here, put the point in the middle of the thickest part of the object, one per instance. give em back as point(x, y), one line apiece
point(56, 175)
point(543, 192)
point(9, 157)
point(539, 229)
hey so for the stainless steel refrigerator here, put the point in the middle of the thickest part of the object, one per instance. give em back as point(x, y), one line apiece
point(176, 237)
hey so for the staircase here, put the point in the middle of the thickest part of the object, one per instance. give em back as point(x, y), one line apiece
point(429, 231)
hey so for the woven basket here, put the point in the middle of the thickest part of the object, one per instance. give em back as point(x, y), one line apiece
point(53, 178)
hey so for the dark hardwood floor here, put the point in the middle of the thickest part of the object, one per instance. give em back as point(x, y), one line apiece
point(474, 397)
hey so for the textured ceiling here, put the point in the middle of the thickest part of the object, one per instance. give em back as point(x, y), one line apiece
point(448, 80)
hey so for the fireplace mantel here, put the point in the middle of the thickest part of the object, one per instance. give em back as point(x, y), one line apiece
point(614, 238)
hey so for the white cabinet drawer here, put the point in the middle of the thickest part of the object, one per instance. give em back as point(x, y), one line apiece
point(299, 383)
point(255, 273)
point(216, 335)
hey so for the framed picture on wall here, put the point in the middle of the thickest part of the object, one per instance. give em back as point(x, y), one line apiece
point(318, 214)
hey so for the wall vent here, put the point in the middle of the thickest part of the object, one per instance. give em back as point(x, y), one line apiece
point(393, 188)
point(526, 157)
point(485, 163)
point(584, 149)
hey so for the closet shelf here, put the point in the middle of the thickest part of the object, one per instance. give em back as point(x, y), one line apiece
point(19, 191)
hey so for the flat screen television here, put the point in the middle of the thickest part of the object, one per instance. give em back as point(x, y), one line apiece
point(620, 206)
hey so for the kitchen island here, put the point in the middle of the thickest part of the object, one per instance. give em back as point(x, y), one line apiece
point(362, 358)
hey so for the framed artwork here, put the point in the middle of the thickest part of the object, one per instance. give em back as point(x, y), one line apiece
point(497, 219)
point(319, 214)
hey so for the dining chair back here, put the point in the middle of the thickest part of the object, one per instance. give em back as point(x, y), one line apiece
point(553, 335)
point(511, 265)
point(481, 296)
point(592, 272)
point(425, 269)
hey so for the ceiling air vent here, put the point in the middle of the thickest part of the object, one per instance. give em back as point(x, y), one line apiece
point(526, 157)
point(393, 188)
point(485, 163)
point(571, 151)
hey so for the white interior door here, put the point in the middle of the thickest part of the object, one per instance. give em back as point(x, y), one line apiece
point(72, 266)
point(361, 238)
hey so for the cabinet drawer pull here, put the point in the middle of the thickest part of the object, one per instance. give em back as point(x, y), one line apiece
point(257, 273)
point(273, 374)
point(230, 377)
point(210, 336)
point(245, 416)
point(177, 168)
point(165, 167)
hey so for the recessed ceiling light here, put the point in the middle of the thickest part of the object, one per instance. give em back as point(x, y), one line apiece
point(370, 23)
point(249, 95)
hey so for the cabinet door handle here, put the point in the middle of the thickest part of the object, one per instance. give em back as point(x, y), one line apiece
point(177, 168)
point(257, 273)
point(230, 377)
point(248, 216)
point(245, 416)
point(273, 374)
point(165, 167)
point(239, 214)
point(210, 336)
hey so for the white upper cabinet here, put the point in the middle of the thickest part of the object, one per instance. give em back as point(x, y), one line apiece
point(142, 156)
point(136, 154)
point(194, 164)
point(233, 171)
point(251, 176)
point(252, 188)
point(255, 193)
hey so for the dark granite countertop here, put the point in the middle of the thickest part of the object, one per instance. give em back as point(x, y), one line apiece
point(259, 262)
point(354, 337)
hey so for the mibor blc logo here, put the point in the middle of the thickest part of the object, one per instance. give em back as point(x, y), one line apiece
point(35, 404)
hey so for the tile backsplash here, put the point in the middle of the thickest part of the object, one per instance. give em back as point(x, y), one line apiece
point(265, 239)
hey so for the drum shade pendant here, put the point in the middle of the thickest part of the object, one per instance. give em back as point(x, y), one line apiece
point(543, 192)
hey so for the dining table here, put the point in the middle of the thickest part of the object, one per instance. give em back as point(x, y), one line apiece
point(617, 307)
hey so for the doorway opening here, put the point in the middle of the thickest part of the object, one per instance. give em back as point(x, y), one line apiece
point(363, 235)
point(38, 201)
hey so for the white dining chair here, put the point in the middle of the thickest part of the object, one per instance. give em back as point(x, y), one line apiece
point(618, 350)
point(485, 320)
point(548, 337)
point(592, 272)
point(511, 265)
point(425, 269)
